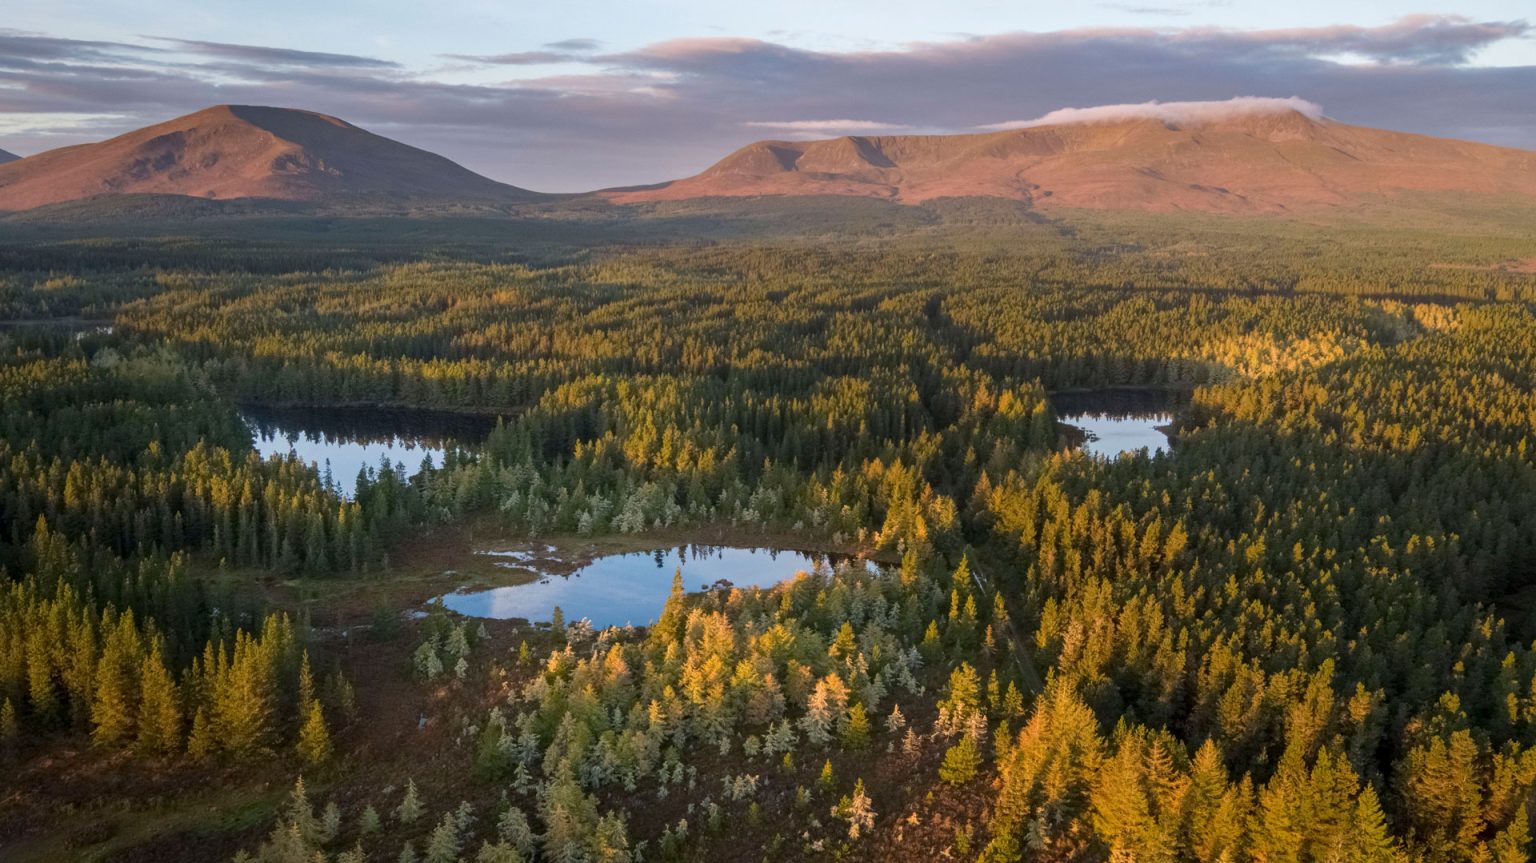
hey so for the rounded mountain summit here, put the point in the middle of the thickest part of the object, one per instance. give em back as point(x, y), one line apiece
point(1262, 160)
point(245, 151)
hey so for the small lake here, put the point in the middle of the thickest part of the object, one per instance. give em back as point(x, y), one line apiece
point(1120, 421)
point(620, 589)
point(347, 439)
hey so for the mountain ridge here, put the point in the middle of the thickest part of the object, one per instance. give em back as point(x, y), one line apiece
point(245, 151)
point(1264, 162)
point(1278, 162)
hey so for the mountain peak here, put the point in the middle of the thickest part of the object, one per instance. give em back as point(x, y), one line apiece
point(245, 151)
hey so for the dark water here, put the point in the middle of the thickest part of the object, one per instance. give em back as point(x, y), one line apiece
point(1119, 421)
point(620, 589)
point(347, 439)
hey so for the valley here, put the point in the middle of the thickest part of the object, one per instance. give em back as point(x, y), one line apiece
point(1143, 483)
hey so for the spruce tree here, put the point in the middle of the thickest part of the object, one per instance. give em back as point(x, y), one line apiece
point(368, 822)
point(444, 844)
point(314, 737)
point(10, 726)
point(201, 742)
point(961, 762)
point(410, 807)
point(160, 714)
point(856, 733)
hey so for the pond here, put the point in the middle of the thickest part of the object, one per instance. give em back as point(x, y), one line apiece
point(346, 439)
point(1112, 422)
point(632, 588)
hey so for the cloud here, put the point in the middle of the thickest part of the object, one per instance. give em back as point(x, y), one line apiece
point(671, 108)
point(517, 58)
point(278, 56)
point(827, 126)
point(1433, 39)
point(575, 46)
point(1163, 11)
point(1176, 113)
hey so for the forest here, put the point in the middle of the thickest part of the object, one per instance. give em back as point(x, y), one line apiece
point(1305, 632)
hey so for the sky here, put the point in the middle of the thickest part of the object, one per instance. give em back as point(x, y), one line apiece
point(574, 95)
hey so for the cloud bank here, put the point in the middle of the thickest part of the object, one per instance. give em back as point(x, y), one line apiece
point(671, 108)
point(1176, 113)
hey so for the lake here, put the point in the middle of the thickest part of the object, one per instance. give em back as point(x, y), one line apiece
point(346, 439)
point(620, 589)
point(1120, 421)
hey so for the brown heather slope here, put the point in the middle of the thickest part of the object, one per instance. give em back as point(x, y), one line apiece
point(239, 151)
point(1274, 162)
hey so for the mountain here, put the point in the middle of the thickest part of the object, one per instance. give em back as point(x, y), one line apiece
point(1279, 161)
point(241, 151)
point(7, 157)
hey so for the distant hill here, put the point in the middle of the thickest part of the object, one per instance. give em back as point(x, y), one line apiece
point(7, 157)
point(239, 151)
point(1273, 161)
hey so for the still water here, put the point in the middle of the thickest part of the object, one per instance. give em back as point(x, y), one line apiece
point(345, 440)
point(619, 589)
point(1120, 421)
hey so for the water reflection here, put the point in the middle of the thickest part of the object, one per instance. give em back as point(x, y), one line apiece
point(345, 440)
point(619, 589)
point(1120, 421)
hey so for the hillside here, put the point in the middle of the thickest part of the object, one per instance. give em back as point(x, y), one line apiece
point(238, 151)
point(1281, 161)
point(7, 157)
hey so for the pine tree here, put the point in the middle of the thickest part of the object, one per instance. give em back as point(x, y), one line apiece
point(113, 708)
point(856, 733)
point(500, 852)
point(1512, 844)
point(513, 828)
point(10, 726)
point(444, 844)
point(961, 761)
point(201, 743)
point(314, 737)
point(330, 823)
point(857, 810)
point(159, 706)
point(410, 807)
point(910, 743)
point(368, 822)
point(306, 681)
point(827, 780)
point(1373, 842)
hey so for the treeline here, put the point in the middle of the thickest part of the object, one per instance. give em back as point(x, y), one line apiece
point(206, 683)
point(139, 456)
point(502, 337)
point(116, 463)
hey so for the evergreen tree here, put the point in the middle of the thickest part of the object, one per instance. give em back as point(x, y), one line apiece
point(410, 807)
point(444, 844)
point(314, 736)
point(368, 822)
point(856, 732)
point(961, 762)
point(160, 714)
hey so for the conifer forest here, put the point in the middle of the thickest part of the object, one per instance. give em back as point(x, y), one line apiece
point(1302, 631)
